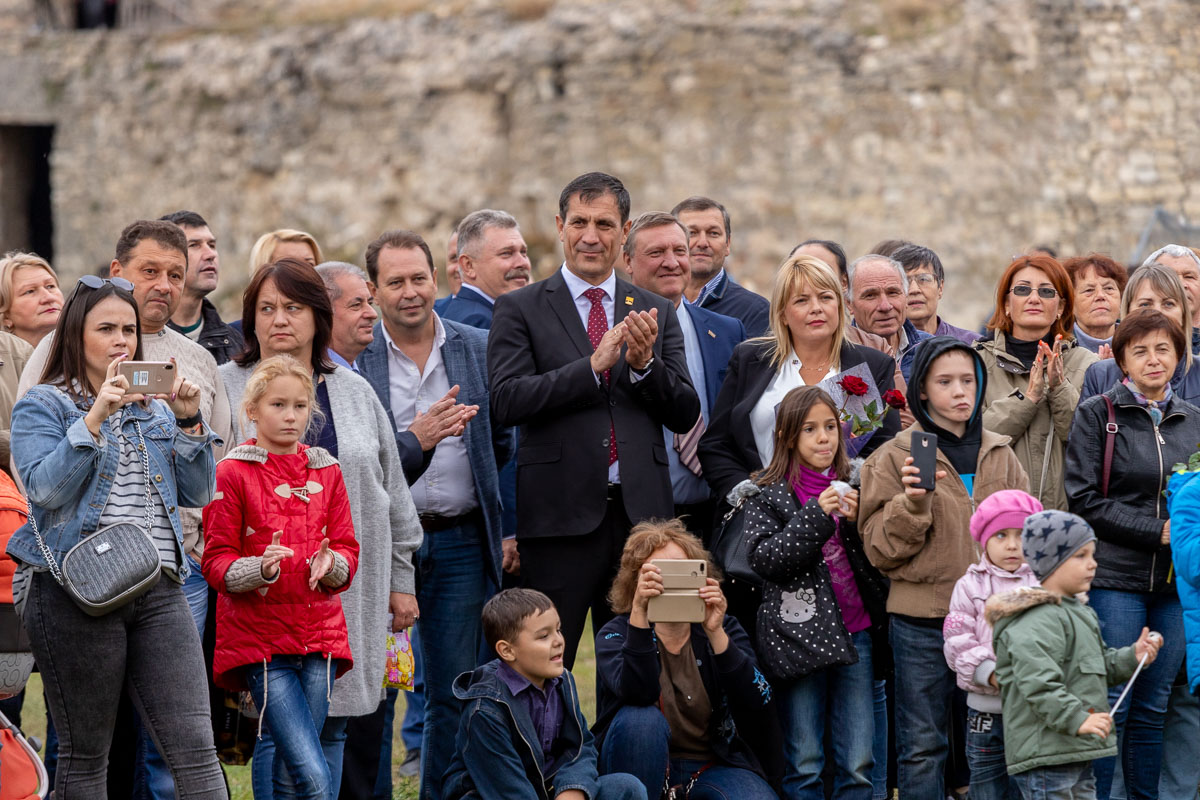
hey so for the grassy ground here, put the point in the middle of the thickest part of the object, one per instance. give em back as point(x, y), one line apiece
point(34, 719)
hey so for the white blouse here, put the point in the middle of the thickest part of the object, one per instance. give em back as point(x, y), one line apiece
point(762, 416)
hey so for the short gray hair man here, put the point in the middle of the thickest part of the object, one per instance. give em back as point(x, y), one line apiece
point(475, 225)
point(330, 271)
point(1186, 265)
point(850, 270)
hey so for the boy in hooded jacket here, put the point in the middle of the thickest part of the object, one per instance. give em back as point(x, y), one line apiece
point(921, 541)
point(1052, 666)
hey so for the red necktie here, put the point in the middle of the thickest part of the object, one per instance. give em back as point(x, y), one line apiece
point(597, 326)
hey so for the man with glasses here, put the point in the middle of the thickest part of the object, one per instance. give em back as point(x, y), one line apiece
point(926, 282)
point(879, 301)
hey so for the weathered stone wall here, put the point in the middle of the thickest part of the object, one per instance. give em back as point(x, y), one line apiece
point(976, 127)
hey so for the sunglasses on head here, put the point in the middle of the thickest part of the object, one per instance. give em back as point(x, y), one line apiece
point(1024, 290)
point(95, 282)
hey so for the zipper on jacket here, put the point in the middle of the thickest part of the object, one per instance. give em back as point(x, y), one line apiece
point(1158, 439)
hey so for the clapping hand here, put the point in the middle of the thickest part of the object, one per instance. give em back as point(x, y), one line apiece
point(273, 555)
point(320, 564)
point(641, 330)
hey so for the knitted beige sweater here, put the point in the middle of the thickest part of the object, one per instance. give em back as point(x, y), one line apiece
point(195, 364)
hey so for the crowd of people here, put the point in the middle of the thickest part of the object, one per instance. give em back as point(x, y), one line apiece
point(932, 558)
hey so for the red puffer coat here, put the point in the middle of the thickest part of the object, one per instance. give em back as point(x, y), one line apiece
point(303, 496)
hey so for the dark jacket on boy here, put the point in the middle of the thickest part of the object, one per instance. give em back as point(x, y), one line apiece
point(497, 752)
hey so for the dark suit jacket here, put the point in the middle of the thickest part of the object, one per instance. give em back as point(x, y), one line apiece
point(734, 300)
point(538, 357)
point(718, 336)
point(489, 443)
point(727, 450)
point(469, 308)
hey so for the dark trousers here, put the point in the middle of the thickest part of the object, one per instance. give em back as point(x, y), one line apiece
point(576, 572)
point(363, 752)
point(698, 517)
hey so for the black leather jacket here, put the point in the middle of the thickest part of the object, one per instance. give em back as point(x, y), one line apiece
point(1129, 521)
point(220, 340)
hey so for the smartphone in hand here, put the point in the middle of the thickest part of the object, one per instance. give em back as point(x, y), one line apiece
point(924, 456)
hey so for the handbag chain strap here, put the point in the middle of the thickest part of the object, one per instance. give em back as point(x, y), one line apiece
point(41, 543)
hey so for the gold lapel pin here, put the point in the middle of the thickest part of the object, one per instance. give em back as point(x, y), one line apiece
point(628, 299)
point(710, 333)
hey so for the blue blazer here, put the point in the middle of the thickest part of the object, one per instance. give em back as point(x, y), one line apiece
point(468, 307)
point(718, 336)
point(734, 300)
point(488, 444)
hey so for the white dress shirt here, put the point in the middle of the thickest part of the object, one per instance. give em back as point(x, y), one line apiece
point(762, 416)
point(577, 286)
point(447, 488)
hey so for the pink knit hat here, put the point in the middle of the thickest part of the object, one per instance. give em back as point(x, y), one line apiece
point(1004, 509)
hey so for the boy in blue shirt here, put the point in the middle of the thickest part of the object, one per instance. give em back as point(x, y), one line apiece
point(522, 735)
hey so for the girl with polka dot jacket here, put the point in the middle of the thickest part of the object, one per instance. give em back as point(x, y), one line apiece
point(822, 600)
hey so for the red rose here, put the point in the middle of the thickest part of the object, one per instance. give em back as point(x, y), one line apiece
point(852, 384)
point(895, 399)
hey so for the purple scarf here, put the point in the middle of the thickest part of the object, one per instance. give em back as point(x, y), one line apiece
point(808, 483)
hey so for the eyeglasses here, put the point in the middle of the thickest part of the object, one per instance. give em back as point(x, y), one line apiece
point(95, 282)
point(1024, 290)
point(924, 278)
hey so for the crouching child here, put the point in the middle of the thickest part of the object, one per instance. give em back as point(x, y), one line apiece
point(1052, 666)
point(522, 734)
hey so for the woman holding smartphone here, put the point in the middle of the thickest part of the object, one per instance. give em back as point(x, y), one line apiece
point(1035, 370)
point(920, 539)
point(91, 453)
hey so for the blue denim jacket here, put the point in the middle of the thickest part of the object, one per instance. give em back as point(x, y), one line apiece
point(68, 476)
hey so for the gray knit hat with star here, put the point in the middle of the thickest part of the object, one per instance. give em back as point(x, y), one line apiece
point(1048, 538)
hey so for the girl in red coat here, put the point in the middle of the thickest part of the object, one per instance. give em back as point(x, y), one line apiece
point(279, 546)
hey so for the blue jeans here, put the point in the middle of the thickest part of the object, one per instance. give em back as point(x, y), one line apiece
point(296, 703)
point(452, 587)
point(1139, 722)
point(924, 693)
point(842, 700)
point(638, 742)
point(413, 728)
point(985, 757)
point(879, 774)
point(333, 746)
point(158, 783)
point(1181, 768)
point(1063, 782)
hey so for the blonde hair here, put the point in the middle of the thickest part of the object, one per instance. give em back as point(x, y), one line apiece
point(9, 265)
point(644, 539)
point(795, 273)
point(281, 366)
point(1166, 283)
point(264, 248)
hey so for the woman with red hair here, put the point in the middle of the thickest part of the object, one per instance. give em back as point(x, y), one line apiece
point(1035, 370)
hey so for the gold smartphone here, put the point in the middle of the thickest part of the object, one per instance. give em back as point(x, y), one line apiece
point(680, 600)
point(148, 377)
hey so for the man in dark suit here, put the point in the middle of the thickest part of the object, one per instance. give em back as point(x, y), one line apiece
point(711, 286)
point(493, 260)
point(656, 257)
point(415, 359)
point(591, 368)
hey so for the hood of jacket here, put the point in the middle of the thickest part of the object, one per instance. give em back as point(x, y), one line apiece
point(1013, 604)
point(961, 450)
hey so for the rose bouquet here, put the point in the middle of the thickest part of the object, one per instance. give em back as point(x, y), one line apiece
point(860, 406)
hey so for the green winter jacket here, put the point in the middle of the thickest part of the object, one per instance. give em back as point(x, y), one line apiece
point(1053, 670)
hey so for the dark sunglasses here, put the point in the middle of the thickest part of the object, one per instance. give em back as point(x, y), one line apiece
point(95, 282)
point(1024, 290)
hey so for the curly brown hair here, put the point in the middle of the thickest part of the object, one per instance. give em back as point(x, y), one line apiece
point(644, 539)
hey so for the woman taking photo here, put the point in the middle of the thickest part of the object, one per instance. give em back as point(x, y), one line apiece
point(1119, 491)
point(677, 700)
point(1159, 288)
point(286, 311)
point(30, 300)
point(1097, 282)
point(92, 454)
point(823, 603)
point(1034, 370)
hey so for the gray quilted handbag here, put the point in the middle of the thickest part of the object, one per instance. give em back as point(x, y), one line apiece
point(115, 565)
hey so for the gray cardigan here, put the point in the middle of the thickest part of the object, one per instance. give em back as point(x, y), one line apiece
point(380, 504)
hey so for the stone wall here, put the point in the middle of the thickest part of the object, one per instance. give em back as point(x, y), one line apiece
point(973, 126)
